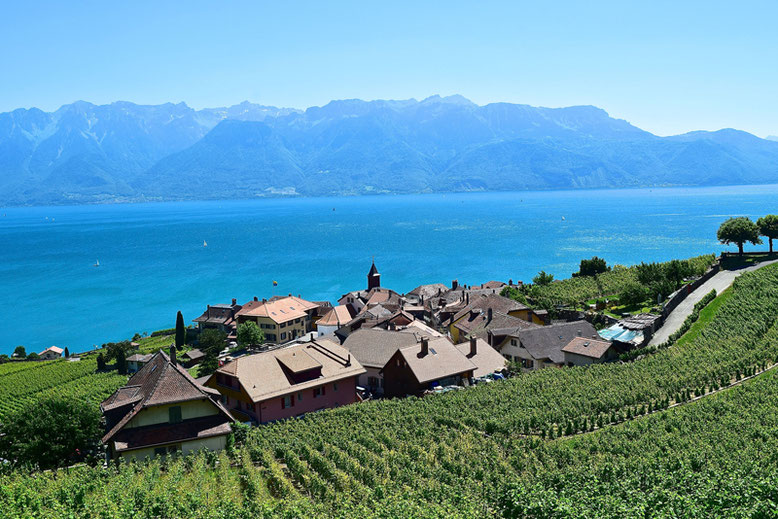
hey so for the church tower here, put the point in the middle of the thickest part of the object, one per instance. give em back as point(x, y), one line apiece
point(373, 278)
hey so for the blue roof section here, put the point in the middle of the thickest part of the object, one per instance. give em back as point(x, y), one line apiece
point(621, 334)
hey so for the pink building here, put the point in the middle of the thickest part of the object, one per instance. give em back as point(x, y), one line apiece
point(288, 382)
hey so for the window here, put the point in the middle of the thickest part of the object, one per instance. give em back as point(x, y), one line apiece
point(287, 401)
point(513, 342)
point(300, 396)
point(160, 451)
point(372, 381)
point(283, 336)
point(318, 391)
point(173, 449)
point(174, 414)
point(334, 386)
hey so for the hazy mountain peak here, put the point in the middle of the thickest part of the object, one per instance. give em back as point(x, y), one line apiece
point(84, 152)
point(455, 99)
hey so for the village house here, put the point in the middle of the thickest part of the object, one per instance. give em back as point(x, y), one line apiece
point(288, 382)
point(162, 410)
point(582, 351)
point(542, 346)
point(426, 365)
point(485, 358)
point(477, 316)
point(136, 361)
point(51, 353)
point(192, 357)
point(372, 348)
point(282, 319)
point(219, 317)
point(337, 317)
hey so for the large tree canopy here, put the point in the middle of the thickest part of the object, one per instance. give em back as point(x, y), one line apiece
point(50, 432)
point(249, 334)
point(739, 231)
point(768, 227)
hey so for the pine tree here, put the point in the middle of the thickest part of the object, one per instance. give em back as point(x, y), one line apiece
point(67, 352)
point(100, 362)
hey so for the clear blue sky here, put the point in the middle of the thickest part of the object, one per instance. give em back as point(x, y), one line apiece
point(666, 66)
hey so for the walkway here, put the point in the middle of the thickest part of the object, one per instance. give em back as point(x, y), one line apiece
point(721, 281)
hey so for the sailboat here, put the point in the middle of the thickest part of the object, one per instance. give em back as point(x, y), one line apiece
point(205, 244)
point(97, 263)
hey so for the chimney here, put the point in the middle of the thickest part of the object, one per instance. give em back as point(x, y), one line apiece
point(473, 346)
point(173, 354)
point(348, 362)
point(234, 301)
point(425, 345)
point(489, 315)
point(255, 298)
point(208, 311)
point(579, 333)
point(454, 284)
point(467, 298)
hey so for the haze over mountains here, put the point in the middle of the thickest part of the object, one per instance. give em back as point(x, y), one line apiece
point(83, 153)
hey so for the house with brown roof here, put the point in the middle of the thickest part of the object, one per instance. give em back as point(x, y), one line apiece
point(335, 318)
point(372, 348)
point(162, 410)
point(486, 359)
point(136, 361)
point(288, 382)
point(542, 346)
point(219, 317)
point(480, 311)
point(582, 351)
point(429, 364)
point(51, 353)
point(282, 319)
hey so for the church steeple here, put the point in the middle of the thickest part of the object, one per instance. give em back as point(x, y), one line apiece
point(373, 277)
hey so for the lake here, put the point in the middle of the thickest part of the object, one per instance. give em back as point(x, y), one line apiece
point(153, 262)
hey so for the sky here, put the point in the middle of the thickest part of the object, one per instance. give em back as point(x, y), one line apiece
point(666, 66)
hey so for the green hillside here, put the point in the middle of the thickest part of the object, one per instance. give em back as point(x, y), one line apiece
point(485, 451)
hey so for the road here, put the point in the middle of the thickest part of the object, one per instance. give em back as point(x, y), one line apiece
point(720, 281)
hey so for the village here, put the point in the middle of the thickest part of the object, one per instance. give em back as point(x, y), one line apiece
point(374, 343)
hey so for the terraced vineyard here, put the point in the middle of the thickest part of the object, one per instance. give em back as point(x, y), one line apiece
point(21, 382)
point(485, 451)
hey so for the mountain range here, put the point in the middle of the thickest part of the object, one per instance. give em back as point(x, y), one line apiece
point(85, 153)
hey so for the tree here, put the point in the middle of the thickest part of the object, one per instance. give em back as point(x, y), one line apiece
point(33, 356)
point(212, 340)
point(180, 331)
point(543, 279)
point(4, 358)
point(20, 351)
point(592, 267)
point(100, 362)
point(739, 231)
point(768, 227)
point(50, 432)
point(112, 349)
point(633, 294)
point(67, 352)
point(208, 365)
point(121, 362)
point(249, 334)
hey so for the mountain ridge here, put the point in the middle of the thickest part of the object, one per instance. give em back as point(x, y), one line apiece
point(87, 153)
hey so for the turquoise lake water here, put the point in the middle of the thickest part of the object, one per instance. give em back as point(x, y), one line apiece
point(153, 263)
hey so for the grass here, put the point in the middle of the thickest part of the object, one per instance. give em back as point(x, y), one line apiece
point(706, 316)
point(154, 344)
